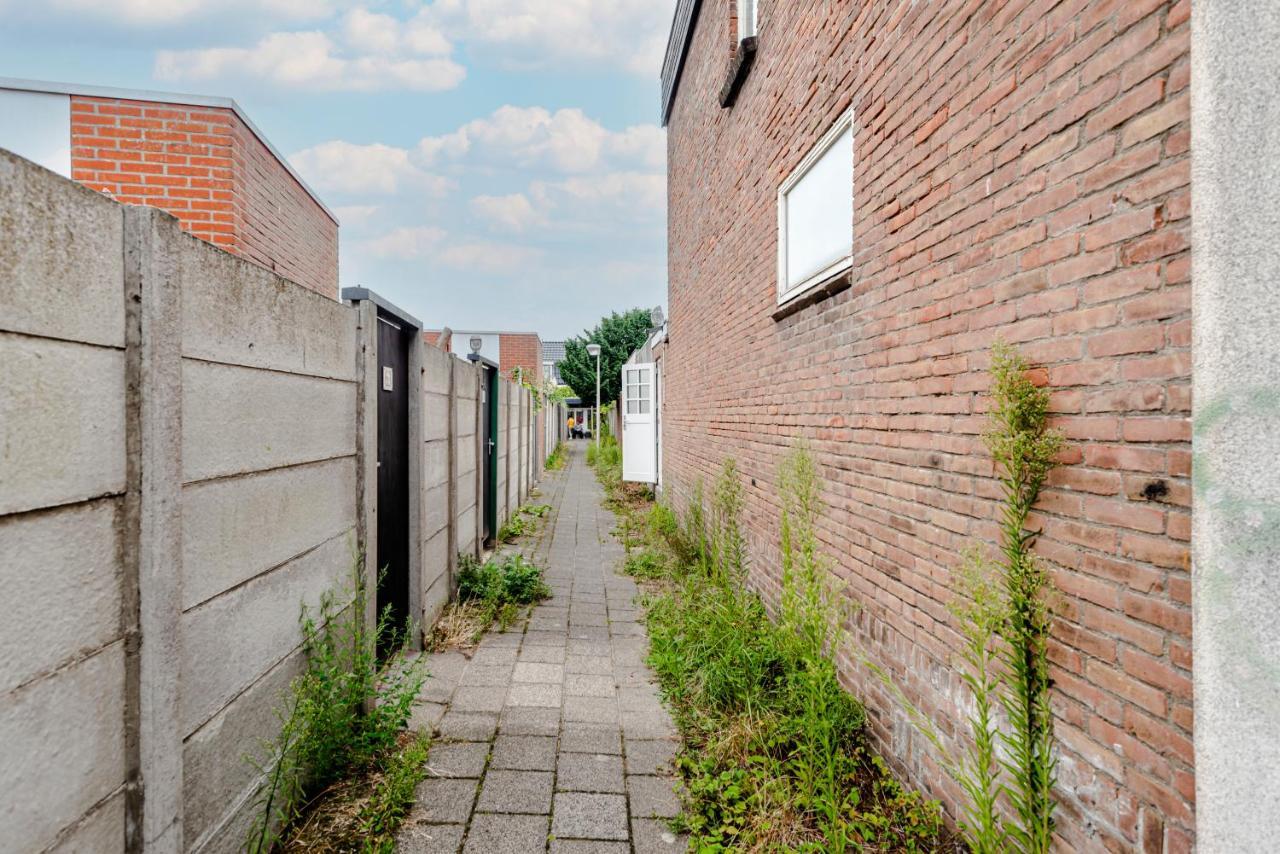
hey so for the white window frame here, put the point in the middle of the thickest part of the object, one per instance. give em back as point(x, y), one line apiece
point(829, 139)
point(748, 18)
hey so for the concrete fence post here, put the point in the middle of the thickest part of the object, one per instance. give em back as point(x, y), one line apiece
point(451, 489)
point(153, 508)
point(367, 451)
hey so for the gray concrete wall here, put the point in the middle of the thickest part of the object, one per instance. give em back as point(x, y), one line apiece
point(62, 516)
point(268, 507)
point(1235, 187)
point(186, 461)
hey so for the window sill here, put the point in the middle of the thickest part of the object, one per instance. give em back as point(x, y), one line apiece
point(743, 58)
point(815, 294)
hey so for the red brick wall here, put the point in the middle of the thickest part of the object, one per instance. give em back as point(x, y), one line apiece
point(204, 166)
point(1021, 171)
point(520, 349)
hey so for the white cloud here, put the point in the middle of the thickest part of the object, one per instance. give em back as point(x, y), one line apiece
point(371, 32)
point(626, 34)
point(627, 193)
point(160, 13)
point(355, 215)
point(374, 52)
point(490, 258)
point(513, 213)
point(405, 243)
point(346, 167)
point(566, 140)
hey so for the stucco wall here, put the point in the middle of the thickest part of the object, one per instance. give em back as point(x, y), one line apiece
point(1235, 540)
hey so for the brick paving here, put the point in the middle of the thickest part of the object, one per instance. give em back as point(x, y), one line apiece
point(552, 736)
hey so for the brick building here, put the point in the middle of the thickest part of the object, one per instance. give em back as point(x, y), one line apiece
point(509, 349)
point(895, 186)
point(199, 158)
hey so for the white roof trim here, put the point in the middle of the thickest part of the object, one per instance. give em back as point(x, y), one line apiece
point(87, 91)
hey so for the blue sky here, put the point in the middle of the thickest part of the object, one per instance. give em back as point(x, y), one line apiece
point(495, 164)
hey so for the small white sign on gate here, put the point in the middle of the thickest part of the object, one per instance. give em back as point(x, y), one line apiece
point(387, 376)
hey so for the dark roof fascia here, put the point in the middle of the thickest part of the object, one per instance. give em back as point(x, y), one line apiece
point(682, 25)
point(364, 294)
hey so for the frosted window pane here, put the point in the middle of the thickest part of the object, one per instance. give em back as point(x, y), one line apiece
point(820, 213)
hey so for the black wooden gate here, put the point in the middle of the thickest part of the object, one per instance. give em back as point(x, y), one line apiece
point(393, 470)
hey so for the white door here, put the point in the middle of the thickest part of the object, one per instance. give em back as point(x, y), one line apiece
point(639, 438)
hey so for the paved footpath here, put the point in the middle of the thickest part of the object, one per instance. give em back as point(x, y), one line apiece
point(552, 736)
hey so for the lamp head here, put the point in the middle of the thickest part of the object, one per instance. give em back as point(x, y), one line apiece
point(593, 350)
point(476, 343)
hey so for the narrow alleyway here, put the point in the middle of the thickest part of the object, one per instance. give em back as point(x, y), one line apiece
point(552, 736)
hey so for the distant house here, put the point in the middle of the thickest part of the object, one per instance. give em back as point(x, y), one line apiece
point(196, 157)
point(862, 198)
point(509, 350)
point(552, 356)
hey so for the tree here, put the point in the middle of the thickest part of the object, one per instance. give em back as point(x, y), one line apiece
point(619, 335)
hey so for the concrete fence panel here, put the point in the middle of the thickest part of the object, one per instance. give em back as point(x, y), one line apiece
point(187, 448)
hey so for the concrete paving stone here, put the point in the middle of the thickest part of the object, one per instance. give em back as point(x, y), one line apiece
point(578, 646)
point(589, 772)
point(598, 710)
point(653, 797)
point(589, 685)
point(423, 717)
point(445, 665)
point(589, 816)
point(479, 699)
point(516, 792)
point(524, 752)
point(442, 800)
point(542, 654)
point(468, 726)
point(481, 675)
point(544, 639)
point(586, 609)
point(437, 691)
point(548, 624)
point(654, 836)
point(529, 720)
point(626, 630)
point(578, 737)
point(457, 759)
point(651, 756)
point(495, 655)
point(627, 614)
point(534, 694)
point(421, 838)
point(594, 664)
point(507, 834)
point(587, 621)
point(588, 846)
point(648, 725)
point(527, 671)
point(501, 640)
point(633, 676)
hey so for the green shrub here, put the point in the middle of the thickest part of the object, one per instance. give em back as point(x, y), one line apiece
point(556, 459)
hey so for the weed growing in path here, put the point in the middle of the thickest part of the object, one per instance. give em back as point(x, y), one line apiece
point(774, 756)
point(343, 719)
point(556, 459)
point(523, 521)
point(487, 592)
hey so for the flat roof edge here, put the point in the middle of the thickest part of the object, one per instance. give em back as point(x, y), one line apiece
point(90, 91)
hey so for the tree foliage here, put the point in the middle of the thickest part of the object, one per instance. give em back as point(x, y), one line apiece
point(618, 335)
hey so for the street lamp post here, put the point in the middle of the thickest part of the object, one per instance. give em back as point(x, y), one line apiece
point(594, 350)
